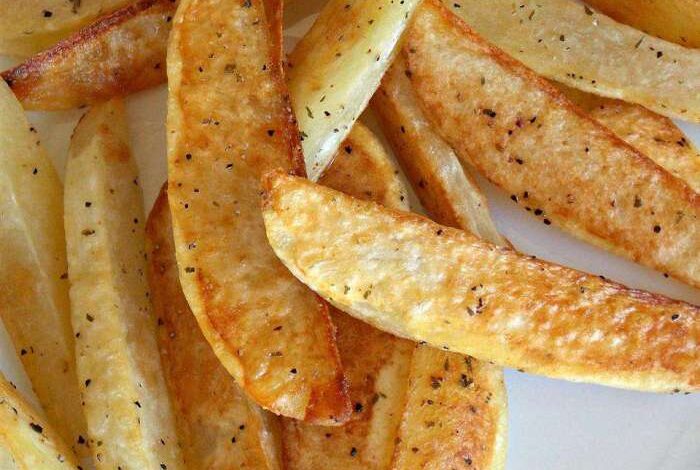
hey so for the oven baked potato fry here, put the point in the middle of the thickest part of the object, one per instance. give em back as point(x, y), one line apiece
point(527, 138)
point(336, 68)
point(219, 427)
point(570, 43)
point(118, 54)
point(27, 438)
point(416, 279)
point(130, 421)
point(228, 123)
point(34, 304)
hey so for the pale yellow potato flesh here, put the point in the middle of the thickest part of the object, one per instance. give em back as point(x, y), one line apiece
point(129, 415)
point(218, 426)
point(118, 54)
point(522, 133)
point(34, 304)
point(416, 279)
point(336, 68)
point(565, 41)
point(229, 123)
point(27, 439)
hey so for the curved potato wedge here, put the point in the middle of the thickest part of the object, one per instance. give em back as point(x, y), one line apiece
point(229, 122)
point(119, 54)
point(336, 68)
point(29, 441)
point(130, 421)
point(219, 427)
point(417, 279)
point(527, 138)
point(570, 43)
point(672, 20)
point(34, 304)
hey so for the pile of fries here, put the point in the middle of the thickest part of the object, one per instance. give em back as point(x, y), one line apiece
point(281, 307)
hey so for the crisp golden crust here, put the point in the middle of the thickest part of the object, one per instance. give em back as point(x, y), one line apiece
point(417, 279)
point(217, 424)
point(119, 54)
point(527, 138)
point(228, 123)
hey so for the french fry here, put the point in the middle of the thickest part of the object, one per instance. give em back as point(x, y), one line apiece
point(118, 54)
point(527, 138)
point(130, 421)
point(336, 68)
point(219, 427)
point(34, 303)
point(27, 26)
point(416, 279)
point(672, 20)
point(27, 440)
point(229, 123)
point(570, 43)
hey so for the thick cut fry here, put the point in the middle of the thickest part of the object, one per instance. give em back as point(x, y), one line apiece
point(411, 277)
point(26, 438)
point(219, 427)
point(27, 26)
point(445, 189)
point(117, 55)
point(229, 122)
point(34, 303)
point(336, 68)
point(673, 20)
point(130, 421)
point(455, 415)
point(526, 137)
point(568, 42)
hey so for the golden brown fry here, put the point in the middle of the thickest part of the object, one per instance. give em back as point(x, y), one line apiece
point(416, 279)
point(119, 54)
point(527, 138)
point(228, 123)
point(673, 20)
point(34, 303)
point(570, 43)
point(219, 427)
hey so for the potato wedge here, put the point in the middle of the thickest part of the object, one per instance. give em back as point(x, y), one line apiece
point(527, 138)
point(34, 304)
point(27, 438)
point(445, 189)
point(229, 123)
point(672, 20)
point(336, 68)
point(416, 279)
point(570, 43)
point(130, 421)
point(219, 427)
point(118, 54)
point(28, 26)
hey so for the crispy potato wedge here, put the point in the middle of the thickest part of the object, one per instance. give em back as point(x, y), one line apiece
point(375, 363)
point(7, 462)
point(28, 440)
point(228, 123)
point(527, 138)
point(445, 189)
point(119, 54)
point(219, 427)
point(672, 20)
point(336, 68)
point(130, 421)
point(28, 26)
point(654, 135)
point(456, 414)
point(568, 42)
point(416, 279)
point(34, 304)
